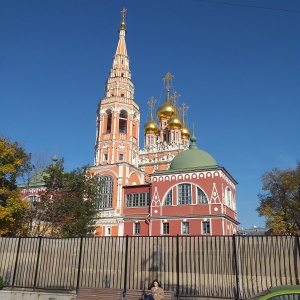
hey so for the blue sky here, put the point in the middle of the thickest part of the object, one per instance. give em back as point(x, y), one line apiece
point(236, 66)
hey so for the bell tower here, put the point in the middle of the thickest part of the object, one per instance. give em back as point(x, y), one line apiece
point(117, 142)
point(118, 115)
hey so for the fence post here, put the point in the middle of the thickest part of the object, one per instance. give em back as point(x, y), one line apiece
point(37, 262)
point(16, 262)
point(297, 257)
point(236, 268)
point(79, 265)
point(177, 265)
point(126, 262)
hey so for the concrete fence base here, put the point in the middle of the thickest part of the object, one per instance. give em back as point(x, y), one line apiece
point(27, 295)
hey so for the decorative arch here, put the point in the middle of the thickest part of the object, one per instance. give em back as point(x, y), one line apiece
point(137, 174)
point(113, 173)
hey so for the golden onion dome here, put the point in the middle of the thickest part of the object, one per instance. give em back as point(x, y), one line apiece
point(174, 123)
point(167, 110)
point(151, 126)
point(185, 132)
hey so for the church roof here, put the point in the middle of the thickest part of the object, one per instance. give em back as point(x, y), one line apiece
point(193, 158)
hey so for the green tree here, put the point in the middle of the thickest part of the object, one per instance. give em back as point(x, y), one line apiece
point(281, 204)
point(14, 161)
point(65, 209)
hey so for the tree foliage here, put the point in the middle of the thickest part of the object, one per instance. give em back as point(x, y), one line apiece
point(65, 208)
point(14, 161)
point(281, 204)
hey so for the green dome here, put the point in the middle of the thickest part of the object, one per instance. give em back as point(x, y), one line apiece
point(193, 158)
point(38, 178)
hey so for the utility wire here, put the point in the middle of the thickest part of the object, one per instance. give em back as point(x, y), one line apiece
point(252, 6)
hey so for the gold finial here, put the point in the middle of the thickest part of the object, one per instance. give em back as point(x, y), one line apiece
point(151, 104)
point(123, 15)
point(168, 79)
point(183, 110)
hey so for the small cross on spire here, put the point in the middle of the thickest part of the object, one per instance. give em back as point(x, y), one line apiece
point(151, 104)
point(123, 15)
point(175, 97)
point(183, 110)
point(168, 79)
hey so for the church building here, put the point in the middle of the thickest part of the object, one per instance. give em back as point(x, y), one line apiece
point(169, 186)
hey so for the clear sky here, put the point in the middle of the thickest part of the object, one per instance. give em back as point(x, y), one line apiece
point(236, 65)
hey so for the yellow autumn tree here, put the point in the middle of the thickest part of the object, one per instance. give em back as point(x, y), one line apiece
point(280, 204)
point(13, 212)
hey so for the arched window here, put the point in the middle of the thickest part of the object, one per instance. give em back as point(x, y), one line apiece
point(105, 192)
point(184, 193)
point(109, 119)
point(201, 197)
point(168, 199)
point(123, 121)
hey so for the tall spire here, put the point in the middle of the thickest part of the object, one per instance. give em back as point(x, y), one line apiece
point(118, 115)
point(121, 49)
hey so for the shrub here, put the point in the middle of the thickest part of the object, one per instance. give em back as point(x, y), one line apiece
point(1, 282)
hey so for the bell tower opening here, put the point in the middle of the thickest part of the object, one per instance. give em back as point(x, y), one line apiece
point(123, 121)
point(109, 119)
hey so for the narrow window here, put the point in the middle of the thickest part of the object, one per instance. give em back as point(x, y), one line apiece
point(135, 201)
point(108, 231)
point(168, 200)
point(109, 118)
point(122, 95)
point(122, 74)
point(205, 228)
point(137, 228)
point(129, 200)
point(105, 157)
point(123, 121)
point(166, 228)
point(228, 196)
point(185, 228)
point(121, 157)
point(184, 193)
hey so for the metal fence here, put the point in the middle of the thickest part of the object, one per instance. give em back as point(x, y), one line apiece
point(195, 266)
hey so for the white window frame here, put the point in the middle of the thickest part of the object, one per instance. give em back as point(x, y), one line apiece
point(163, 227)
point(205, 228)
point(136, 228)
point(185, 227)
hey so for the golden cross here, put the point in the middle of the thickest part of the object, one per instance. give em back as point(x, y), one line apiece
point(151, 104)
point(168, 78)
point(184, 110)
point(123, 14)
point(175, 97)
